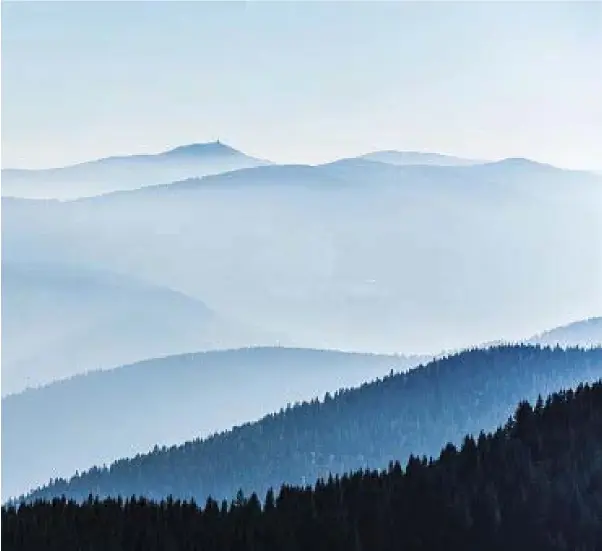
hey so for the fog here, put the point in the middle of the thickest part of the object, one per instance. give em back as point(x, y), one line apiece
point(60, 320)
point(353, 255)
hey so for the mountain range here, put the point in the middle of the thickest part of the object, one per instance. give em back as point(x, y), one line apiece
point(129, 172)
point(354, 255)
point(125, 172)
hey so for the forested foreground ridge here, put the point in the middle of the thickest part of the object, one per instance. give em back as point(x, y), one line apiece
point(535, 484)
point(367, 427)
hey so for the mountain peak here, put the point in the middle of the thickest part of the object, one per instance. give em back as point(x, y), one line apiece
point(520, 162)
point(394, 157)
point(208, 148)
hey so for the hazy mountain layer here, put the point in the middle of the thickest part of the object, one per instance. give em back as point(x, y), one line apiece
point(60, 320)
point(354, 254)
point(102, 416)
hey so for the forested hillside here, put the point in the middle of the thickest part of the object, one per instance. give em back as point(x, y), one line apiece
point(536, 484)
point(386, 420)
point(164, 401)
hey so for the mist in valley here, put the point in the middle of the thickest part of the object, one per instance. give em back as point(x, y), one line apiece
point(353, 255)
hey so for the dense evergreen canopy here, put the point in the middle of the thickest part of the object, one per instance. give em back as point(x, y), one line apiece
point(535, 484)
point(387, 420)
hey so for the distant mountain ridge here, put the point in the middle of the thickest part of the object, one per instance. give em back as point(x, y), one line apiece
point(125, 172)
point(213, 149)
point(193, 161)
point(363, 171)
point(586, 333)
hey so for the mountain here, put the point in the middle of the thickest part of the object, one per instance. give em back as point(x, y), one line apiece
point(417, 158)
point(584, 334)
point(579, 333)
point(535, 483)
point(124, 172)
point(366, 427)
point(352, 255)
point(101, 416)
point(60, 320)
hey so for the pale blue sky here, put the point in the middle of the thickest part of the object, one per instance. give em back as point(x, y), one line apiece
point(302, 82)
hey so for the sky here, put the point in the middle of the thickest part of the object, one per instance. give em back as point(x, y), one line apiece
point(302, 82)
